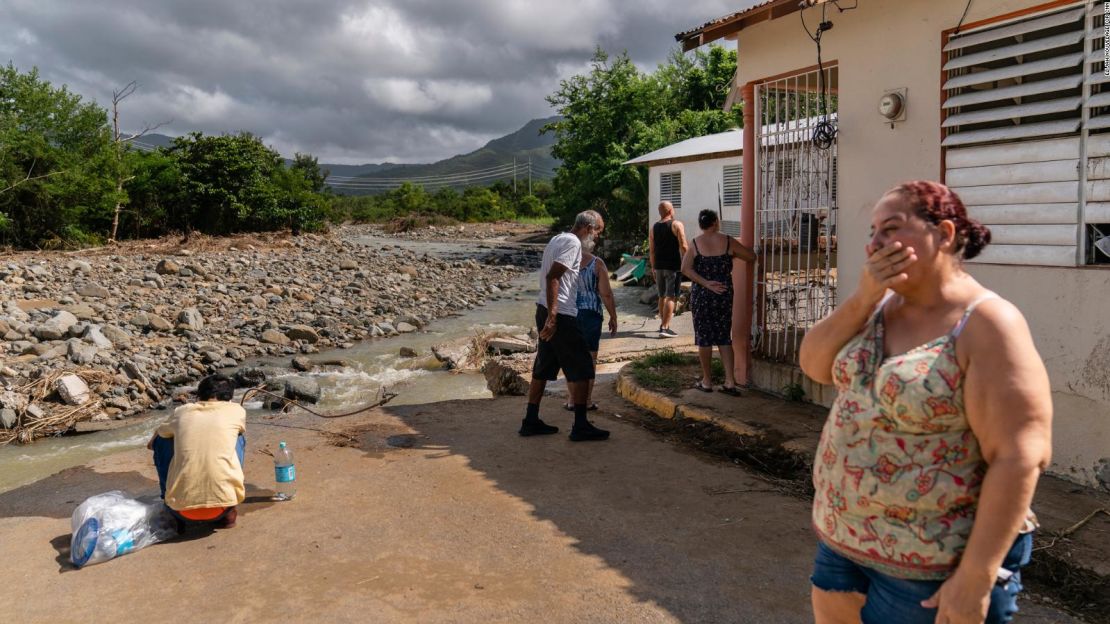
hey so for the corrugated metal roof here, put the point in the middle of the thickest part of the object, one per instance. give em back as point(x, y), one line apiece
point(746, 6)
point(752, 12)
point(730, 141)
point(791, 132)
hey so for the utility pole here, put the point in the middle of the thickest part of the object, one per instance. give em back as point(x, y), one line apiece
point(514, 175)
point(529, 175)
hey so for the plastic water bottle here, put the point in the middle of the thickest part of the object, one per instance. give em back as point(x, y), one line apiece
point(285, 474)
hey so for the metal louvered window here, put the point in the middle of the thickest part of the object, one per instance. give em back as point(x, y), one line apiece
point(1026, 126)
point(670, 188)
point(730, 192)
point(1016, 81)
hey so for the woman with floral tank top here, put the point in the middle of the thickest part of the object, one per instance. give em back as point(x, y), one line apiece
point(941, 427)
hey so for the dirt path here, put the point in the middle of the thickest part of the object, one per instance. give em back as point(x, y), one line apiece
point(438, 513)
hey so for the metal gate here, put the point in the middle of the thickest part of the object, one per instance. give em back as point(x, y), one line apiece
point(795, 211)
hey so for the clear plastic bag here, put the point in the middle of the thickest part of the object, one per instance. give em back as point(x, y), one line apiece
point(108, 525)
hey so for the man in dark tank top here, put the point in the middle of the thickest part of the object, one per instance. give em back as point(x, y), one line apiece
point(666, 246)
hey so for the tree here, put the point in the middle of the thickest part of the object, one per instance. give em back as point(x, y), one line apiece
point(155, 201)
point(614, 113)
point(119, 143)
point(228, 183)
point(55, 163)
point(308, 167)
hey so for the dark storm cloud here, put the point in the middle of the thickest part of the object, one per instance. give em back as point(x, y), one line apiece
point(400, 80)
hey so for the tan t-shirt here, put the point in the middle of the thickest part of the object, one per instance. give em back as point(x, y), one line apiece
point(205, 470)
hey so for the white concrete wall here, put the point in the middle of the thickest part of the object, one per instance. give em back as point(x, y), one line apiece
point(887, 44)
point(700, 183)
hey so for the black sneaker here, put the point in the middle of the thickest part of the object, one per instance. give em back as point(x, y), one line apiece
point(587, 432)
point(536, 427)
point(668, 333)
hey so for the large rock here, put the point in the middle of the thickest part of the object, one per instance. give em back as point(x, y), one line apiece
point(301, 363)
point(508, 375)
point(347, 264)
point(302, 389)
point(79, 266)
point(160, 324)
point(507, 345)
point(72, 389)
point(13, 400)
point(95, 335)
point(93, 290)
point(303, 332)
point(8, 418)
point(273, 336)
point(57, 327)
point(81, 354)
point(119, 337)
point(190, 318)
point(249, 377)
point(456, 354)
point(405, 328)
point(167, 267)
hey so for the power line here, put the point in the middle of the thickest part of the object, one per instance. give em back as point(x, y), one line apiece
point(372, 177)
point(457, 179)
point(500, 168)
point(393, 185)
point(444, 178)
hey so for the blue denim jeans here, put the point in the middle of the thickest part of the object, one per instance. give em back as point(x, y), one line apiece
point(891, 599)
point(163, 455)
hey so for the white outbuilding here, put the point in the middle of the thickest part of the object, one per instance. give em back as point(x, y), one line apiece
point(697, 174)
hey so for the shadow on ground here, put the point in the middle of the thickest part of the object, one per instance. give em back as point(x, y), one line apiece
point(684, 539)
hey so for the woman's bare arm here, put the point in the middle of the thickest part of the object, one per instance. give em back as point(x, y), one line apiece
point(688, 266)
point(738, 250)
point(605, 289)
point(1009, 407)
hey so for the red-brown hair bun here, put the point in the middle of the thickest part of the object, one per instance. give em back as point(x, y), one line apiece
point(935, 202)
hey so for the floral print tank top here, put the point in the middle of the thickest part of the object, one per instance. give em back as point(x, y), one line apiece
point(898, 469)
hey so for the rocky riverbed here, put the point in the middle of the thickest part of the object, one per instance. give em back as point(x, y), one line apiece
point(506, 230)
point(134, 324)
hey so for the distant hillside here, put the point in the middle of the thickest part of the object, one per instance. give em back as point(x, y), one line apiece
point(526, 144)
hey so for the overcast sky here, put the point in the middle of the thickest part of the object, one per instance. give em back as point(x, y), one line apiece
point(348, 81)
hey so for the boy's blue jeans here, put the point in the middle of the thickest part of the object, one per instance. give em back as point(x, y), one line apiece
point(163, 455)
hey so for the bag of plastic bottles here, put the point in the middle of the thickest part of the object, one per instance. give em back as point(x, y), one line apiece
point(108, 525)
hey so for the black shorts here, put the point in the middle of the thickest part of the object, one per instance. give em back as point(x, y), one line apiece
point(567, 350)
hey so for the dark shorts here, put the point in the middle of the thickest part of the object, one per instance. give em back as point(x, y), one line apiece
point(891, 599)
point(566, 350)
point(668, 284)
point(589, 323)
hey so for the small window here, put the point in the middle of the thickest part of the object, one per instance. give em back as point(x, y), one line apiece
point(730, 192)
point(784, 171)
point(670, 188)
point(1098, 243)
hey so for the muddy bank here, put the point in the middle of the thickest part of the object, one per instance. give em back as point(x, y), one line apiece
point(139, 322)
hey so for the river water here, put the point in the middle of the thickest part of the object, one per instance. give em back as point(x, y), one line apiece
point(371, 365)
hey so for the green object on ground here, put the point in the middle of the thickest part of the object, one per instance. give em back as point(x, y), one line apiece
point(632, 268)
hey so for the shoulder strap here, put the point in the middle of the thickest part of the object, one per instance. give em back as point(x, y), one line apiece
point(971, 308)
point(698, 251)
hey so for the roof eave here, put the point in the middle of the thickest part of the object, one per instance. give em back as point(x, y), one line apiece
point(712, 31)
point(688, 158)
